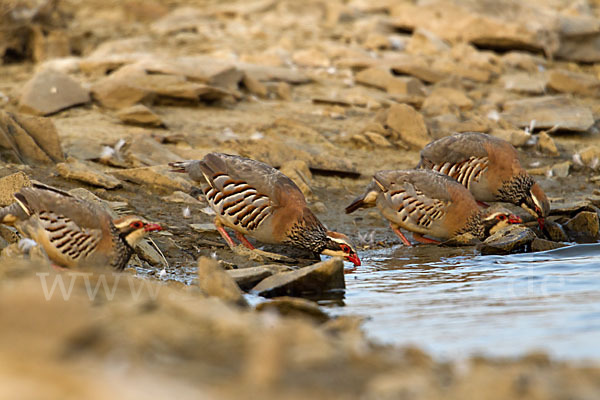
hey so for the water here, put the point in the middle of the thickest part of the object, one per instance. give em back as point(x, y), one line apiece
point(454, 303)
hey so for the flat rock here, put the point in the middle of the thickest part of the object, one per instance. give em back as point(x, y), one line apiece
point(590, 156)
point(143, 150)
point(311, 58)
point(11, 184)
point(414, 66)
point(548, 112)
point(157, 177)
point(315, 279)
point(139, 114)
point(264, 73)
point(500, 29)
point(409, 124)
point(561, 170)
point(247, 278)
point(215, 282)
point(583, 227)
point(132, 84)
point(543, 245)
point(572, 82)
point(580, 48)
point(50, 91)
point(29, 139)
point(87, 173)
point(527, 83)
point(210, 71)
point(146, 251)
point(181, 197)
point(444, 100)
point(295, 307)
point(510, 239)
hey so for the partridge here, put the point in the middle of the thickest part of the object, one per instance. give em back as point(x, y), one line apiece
point(255, 199)
point(72, 231)
point(429, 203)
point(489, 167)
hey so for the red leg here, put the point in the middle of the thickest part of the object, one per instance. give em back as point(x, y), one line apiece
point(420, 238)
point(224, 234)
point(244, 241)
point(400, 235)
point(483, 204)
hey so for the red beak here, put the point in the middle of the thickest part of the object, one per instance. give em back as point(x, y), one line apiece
point(152, 227)
point(541, 222)
point(514, 219)
point(354, 259)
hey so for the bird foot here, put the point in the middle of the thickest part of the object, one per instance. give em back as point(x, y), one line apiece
point(244, 241)
point(400, 235)
point(422, 239)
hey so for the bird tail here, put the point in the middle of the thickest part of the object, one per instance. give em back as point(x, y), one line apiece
point(179, 166)
point(365, 200)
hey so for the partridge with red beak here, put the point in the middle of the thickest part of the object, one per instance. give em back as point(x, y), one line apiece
point(429, 203)
point(72, 231)
point(255, 199)
point(489, 167)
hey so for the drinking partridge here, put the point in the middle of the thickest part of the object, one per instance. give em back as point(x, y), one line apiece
point(489, 167)
point(72, 231)
point(429, 203)
point(257, 200)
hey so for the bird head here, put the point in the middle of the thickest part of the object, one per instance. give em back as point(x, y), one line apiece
point(496, 218)
point(536, 203)
point(133, 228)
point(339, 245)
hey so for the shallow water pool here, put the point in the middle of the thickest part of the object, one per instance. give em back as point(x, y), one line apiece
point(454, 302)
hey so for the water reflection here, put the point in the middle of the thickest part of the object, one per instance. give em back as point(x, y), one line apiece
point(454, 302)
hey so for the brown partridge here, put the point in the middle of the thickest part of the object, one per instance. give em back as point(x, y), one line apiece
point(72, 231)
point(489, 167)
point(257, 200)
point(429, 203)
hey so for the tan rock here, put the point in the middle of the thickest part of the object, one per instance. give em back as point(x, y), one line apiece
point(311, 58)
point(423, 41)
point(548, 112)
point(590, 156)
point(139, 114)
point(265, 73)
point(525, 61)
point(511, 27)
point(11, 184)
point(215, 282)
point(377, 139)
point(376, 41)
point(376, 77)
point(49, 45)
point(561, 170)
point(284, 91)
point(154, 178)
point(406, 85)
point(525, 82)
point(121, 89)
point(30, 139)
point(546, 144)
point(87, 173)
point(255, 87)
point(443, 100)
point(516, 137)
point(572, 82)
point(415, 66)
point(51, 91)
point(409, 124)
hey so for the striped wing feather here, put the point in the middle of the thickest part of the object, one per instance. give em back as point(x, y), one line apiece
point(413, 207)
point(67, 238)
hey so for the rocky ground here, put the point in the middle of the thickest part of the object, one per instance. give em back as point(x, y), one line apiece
point(98, 96)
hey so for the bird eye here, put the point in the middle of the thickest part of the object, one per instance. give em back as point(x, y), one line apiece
point(137, 224)
point(501, 217)
point(345, 248)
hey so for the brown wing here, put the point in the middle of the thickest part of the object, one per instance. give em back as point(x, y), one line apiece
point(456, 149)
point(417, 197)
